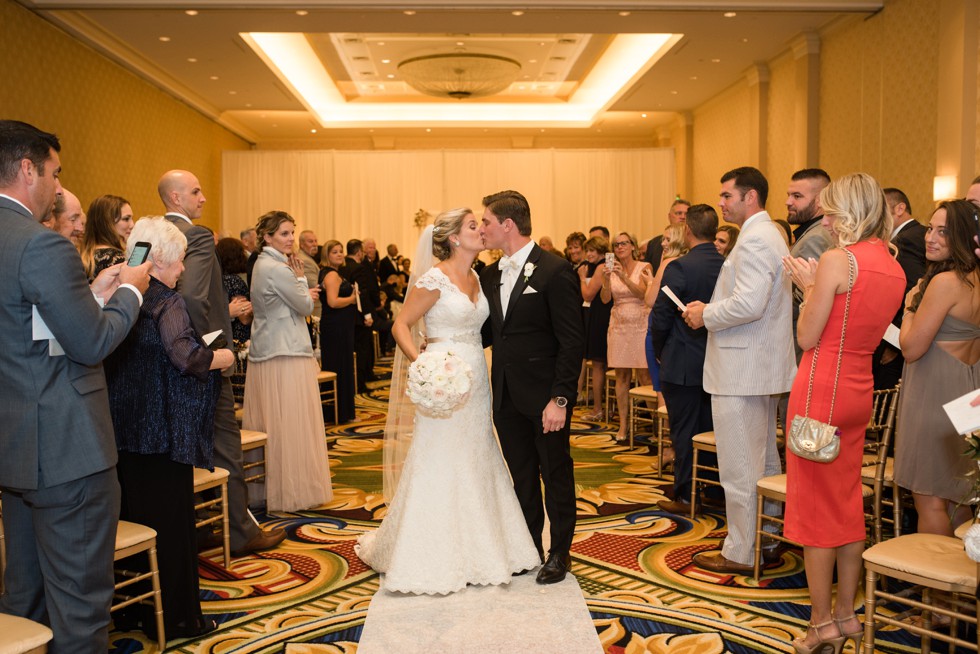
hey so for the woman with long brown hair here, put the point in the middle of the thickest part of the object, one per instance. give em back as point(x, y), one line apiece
point(110, 221)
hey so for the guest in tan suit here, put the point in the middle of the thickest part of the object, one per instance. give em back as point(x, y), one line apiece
point(749, 360)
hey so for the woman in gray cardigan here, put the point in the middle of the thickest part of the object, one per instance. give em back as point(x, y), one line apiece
point(281, 394)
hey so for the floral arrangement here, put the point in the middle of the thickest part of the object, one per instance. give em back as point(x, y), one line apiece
point(971, 540)
point(438, 382)
point(422, 218)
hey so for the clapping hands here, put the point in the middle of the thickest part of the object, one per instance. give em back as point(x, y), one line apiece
point(802, 271)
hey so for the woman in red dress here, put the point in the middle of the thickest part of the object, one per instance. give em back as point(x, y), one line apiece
point(824, 508)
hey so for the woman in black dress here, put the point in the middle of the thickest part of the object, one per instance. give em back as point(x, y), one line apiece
point(337, 327)
point(596, 315)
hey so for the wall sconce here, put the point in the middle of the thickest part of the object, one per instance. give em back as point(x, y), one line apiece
point(943, 187)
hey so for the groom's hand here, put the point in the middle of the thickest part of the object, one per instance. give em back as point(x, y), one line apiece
point(553, 417)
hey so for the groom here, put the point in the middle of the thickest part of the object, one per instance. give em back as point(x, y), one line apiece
point(536, 332)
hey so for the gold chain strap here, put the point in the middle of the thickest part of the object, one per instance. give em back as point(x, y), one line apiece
point(840, 354)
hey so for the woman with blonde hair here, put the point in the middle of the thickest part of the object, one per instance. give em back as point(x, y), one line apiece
point(940, 341)
point(625, 282)
point(849, 298)
point(109, 223)
point(281, 394)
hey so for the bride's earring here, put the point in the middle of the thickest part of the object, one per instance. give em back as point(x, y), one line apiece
point(456, 243)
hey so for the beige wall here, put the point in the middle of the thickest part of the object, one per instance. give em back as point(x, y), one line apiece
point(118, 133)
point(877, 105)
point(879, 96)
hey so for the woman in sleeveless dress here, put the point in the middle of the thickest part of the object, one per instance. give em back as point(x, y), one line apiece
point(626, 283)
point(454, 518)
point(940, 341)
point(338, 318)
point(824, 508)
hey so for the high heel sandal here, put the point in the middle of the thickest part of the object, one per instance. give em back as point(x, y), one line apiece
point(856, 636)
point(823, 645)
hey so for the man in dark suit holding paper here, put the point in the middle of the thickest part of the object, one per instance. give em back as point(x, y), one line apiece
point(538, 342)
point(691, 277)
point(57, 450)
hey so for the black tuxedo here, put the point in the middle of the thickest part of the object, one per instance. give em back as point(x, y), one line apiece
point(537, 355)
point(680, 350)
point(369, 294)
point(911, 244)
point(386, 268)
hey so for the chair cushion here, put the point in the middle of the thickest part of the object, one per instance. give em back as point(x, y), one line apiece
point(705, 438)
point(942, 558)
point(254, 438)
point(868, 471)
point(774, 484)
point(21, 635)
point(644, 392)
point(129, 534)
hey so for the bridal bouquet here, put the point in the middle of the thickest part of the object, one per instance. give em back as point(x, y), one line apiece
point(438, 382)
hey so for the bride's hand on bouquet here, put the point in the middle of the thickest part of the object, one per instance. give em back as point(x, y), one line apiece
point(802, 271)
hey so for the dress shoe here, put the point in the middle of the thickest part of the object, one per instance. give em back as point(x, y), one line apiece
point(675, 506)
point(555, 568)
point(265, 539)
point(716, 562)
point(713, 501)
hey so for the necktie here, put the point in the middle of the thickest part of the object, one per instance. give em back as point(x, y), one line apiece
point(506, 263)
point(509, 268)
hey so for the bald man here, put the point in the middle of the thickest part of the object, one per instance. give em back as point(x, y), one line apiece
point(68, 217)
point(207, 303)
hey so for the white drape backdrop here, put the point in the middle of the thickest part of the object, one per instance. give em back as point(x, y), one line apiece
point(344, 194)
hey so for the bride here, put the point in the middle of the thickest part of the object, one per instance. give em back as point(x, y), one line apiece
point(454, 519)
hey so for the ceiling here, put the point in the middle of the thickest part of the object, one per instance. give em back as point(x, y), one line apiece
point(201, 52)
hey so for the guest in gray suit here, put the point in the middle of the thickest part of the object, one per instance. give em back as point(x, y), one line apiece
point(811, 238)
point(57, 452)
point(748, 361)
point(207, 304)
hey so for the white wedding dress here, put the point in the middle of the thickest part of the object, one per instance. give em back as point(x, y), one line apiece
point(455, 519)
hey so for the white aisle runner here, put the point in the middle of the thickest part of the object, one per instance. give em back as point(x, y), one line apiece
point(522, 617)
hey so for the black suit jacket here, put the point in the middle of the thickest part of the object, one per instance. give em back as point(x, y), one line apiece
point(386, 268)
point(911, 244)
point(679, 348)
point(367, 285)
point(538, 347)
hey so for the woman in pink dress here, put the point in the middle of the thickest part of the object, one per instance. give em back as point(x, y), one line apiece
point(625, 280)
point(824, 508)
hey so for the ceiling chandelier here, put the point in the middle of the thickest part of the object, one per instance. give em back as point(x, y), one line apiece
point(459, 75)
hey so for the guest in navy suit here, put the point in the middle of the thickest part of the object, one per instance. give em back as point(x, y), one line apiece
point(681, 349)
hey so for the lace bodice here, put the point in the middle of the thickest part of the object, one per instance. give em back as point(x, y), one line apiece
point(454, 317)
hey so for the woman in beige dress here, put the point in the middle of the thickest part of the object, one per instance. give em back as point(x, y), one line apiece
point(624, 281)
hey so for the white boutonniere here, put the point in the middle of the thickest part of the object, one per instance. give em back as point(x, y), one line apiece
point(528, 271)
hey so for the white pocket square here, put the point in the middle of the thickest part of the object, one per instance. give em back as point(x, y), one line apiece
point(529, 290)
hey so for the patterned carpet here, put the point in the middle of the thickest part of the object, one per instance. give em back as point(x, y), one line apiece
point(632, 560)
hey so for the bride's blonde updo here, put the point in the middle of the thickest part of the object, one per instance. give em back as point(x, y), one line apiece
point(446, 225)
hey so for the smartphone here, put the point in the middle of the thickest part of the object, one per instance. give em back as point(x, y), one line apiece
point(610, 258)
point(140, 252)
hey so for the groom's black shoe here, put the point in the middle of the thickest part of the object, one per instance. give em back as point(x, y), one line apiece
point(555, 569)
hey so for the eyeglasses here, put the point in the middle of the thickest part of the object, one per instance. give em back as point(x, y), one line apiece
point(622, 244)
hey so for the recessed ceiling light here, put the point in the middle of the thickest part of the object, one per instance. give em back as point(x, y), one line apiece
point(542, 129)
point(716, 61)
point(532, 61)
point(165, 39)
point(301, 12)
point(370, 130)
point(275, 124)
point(517, 12)
point(386, 61)
point(729, 14)
point(409, 12)
point(381, 42)
point(624, 13)
point(214, 77)
point(313, 131)
point(232, 92)
point(191, 12)
point(673, 92)
point(248, 105)
point(745, 40)
point(428, 129)
point(643, 115)
point(459, 43)
point(390, 76)
point(694, 77)
point(192, 60)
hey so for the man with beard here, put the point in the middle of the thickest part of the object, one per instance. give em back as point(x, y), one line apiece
point(811, 239)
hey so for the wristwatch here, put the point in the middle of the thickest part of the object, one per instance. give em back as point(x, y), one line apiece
point(560, 402)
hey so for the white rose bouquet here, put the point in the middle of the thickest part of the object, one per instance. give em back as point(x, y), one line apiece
point(438, 382)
